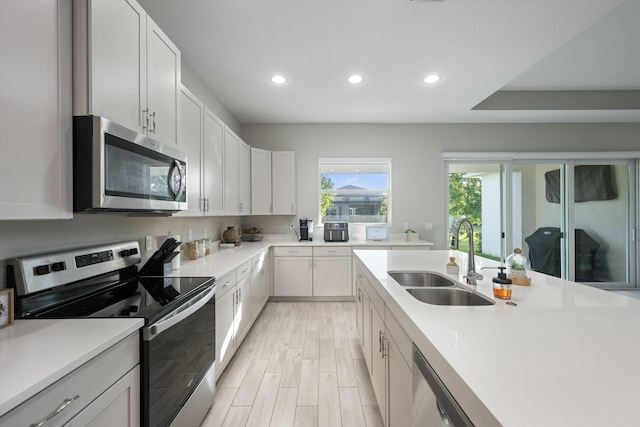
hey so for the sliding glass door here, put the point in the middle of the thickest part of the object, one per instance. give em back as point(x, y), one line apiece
point(572, 218)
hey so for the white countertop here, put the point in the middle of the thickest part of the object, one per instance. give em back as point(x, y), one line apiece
point(223, 261)
point(566, 355)
point(36, 353)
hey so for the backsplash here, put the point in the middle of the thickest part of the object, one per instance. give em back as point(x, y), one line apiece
point(18, 238)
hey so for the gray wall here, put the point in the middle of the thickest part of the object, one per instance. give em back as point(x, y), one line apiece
point(416, 152)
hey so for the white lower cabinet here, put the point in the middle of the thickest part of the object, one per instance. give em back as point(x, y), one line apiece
point(238, 302)
point(105, 391)
point(319, 271)
point(387, 353)
point(260, 281)
point(292, 276)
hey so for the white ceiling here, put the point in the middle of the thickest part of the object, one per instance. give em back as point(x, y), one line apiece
point(480, 47)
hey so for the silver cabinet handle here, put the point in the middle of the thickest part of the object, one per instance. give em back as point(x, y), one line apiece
point(145, 118)
point(226, 284)
point(56, 411)
point(153, 121)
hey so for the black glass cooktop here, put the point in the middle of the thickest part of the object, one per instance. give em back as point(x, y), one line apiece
point(118, 294)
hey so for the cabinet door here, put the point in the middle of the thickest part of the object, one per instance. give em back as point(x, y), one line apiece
point(225, 329)
point(260, 182)
point(118, 406)
point(284, 182)
point(244, 177)
point(213, 157)
point(35, 110)
point(260, 280)
point(117, 62)
point(399, 389)
point(231, 202)
point(244, 312)
point(292, 276)
point(163, 84)
point(190, 142)
point(363, 318)
point(378, 362)
point(332, 276)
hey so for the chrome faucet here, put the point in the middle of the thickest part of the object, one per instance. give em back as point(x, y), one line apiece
point(472, 277)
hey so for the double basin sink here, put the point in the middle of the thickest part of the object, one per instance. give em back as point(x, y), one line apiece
point(433, 288)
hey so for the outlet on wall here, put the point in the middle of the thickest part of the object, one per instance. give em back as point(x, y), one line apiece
point(405, 226)
point(428, 226)
point(190, 235)
point(292, 226)
point(148, 243)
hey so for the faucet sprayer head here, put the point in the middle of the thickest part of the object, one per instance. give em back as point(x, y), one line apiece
point(454, 242)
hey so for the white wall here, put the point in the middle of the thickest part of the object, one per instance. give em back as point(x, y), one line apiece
point(415, 150)
point(195, 84)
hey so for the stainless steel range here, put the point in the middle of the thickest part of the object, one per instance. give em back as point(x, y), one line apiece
point(177, 340)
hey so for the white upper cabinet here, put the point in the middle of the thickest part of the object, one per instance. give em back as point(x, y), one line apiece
point(273, 182)
point(212, 161)
point(244, 177)
point(260, 182)
point(231, 203)
point(190, 138)
point(201, 137)
point(283, 166)
point(125, 68)
point(35, 110)
point(237, 175)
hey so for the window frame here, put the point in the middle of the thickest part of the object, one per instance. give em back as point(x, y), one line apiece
point(356, 160)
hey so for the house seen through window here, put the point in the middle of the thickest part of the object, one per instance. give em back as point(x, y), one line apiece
point(356, 191)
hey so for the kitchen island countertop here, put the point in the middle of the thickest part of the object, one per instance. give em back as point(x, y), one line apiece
point(566, 355)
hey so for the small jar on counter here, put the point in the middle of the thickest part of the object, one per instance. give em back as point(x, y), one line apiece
point(201, 248)
point(192, 250)
point(207, 245)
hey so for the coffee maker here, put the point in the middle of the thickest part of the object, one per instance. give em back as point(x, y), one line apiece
point(306, 229)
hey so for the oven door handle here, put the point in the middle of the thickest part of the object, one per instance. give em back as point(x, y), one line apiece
point(178, 316)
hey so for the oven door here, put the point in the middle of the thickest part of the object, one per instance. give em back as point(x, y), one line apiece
point(177, 360)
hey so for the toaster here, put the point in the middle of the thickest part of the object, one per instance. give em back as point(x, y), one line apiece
point(336, 232)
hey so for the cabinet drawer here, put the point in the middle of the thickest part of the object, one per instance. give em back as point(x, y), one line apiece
point(244, 270)
point(225, 283)
point(411, 248)
point(332, 251)
point(87, 382)
point(292, 251)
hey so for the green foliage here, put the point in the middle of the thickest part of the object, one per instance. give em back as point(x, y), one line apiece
point(465, 197)
point(326, 200)
point(383, 206)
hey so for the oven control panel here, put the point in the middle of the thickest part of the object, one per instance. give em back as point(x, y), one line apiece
point(36, 273)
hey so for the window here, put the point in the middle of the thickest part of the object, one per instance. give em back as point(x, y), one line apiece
point(356, 191)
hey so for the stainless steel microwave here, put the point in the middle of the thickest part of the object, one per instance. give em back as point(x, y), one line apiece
point(118, 170)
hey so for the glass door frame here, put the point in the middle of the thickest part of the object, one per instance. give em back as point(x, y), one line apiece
point(568, 162)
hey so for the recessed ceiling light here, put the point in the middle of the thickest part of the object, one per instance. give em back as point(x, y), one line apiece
point(278, 79)
point(355, 79)
point(431, 78)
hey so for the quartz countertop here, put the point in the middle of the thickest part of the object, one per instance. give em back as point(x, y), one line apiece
point(35, 353)
point(223, 261)
point(566, 355)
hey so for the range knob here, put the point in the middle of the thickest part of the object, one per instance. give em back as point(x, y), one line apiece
point(59, 266)
point(41, 270)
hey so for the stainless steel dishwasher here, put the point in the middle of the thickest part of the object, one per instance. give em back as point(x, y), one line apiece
point(433, 405)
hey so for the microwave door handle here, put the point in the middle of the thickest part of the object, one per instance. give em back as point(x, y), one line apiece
point(175, 166)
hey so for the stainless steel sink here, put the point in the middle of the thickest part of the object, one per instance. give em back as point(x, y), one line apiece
point(449, 296)
point(421, 279)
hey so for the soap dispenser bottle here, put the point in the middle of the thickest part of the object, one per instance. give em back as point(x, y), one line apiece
point(501, 285)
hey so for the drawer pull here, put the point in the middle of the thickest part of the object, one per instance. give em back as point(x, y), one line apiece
point(226, 284)
point(56, 411)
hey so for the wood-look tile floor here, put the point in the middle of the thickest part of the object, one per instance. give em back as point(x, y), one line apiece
point(300, 365)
